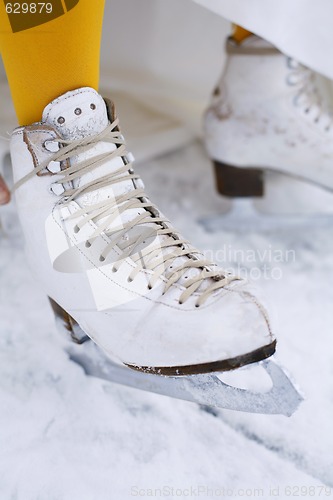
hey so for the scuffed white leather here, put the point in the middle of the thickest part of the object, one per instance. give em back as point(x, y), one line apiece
point(260, 117)
point(131, 323)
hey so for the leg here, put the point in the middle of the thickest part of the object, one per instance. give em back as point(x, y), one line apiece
point(46, 60)
point(53, 57)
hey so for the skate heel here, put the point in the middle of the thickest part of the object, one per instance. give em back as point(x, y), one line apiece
point(273, 192)
point(237, 182)
point(66, 323)
point(286, 202)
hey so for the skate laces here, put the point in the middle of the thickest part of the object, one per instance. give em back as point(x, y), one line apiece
point(308, 95)
point(170, 259)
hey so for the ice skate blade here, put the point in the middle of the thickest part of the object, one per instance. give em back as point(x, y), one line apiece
point(243, 217)
point(204, 389)
point(288, 195)
point(269, 201)
point(274, 191)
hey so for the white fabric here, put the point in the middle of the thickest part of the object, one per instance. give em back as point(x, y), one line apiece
point(168, 55)
point(299, 28)
point(171, 53)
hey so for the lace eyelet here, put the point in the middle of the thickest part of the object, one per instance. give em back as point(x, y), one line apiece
point(129, 280)
point(149, 287)
point(51, 145)
point(197, 305)
point(87, 244)
point(180, 302)
point(76, 229)
point(57, 189)
point(101, 258)
point(114, 270)
point(54, 167)
point(306, 111)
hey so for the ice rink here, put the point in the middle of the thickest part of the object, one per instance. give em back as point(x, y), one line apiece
point(65, 436)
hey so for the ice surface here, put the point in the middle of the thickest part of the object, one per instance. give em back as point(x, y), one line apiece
point(65, 436)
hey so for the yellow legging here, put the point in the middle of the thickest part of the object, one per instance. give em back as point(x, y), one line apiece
point(239, 34)
point(44, 58)
point(44, 61)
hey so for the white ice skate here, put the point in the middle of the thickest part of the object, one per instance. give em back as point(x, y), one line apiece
point(117, 272)
point(269, 132)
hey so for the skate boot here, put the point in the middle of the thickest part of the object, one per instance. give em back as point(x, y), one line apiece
point(268, 131)
point(106, 255)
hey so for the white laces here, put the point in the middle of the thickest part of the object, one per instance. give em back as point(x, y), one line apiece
point(170, 265)
point(308, 95)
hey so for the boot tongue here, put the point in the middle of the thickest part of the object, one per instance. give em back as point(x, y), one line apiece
point(81, 113)
point(77, 114)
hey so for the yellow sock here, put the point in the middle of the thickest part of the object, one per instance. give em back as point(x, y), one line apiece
point(49, 52)
point(240, 34)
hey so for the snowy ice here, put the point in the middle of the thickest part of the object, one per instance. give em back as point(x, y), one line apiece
point(65, 436)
